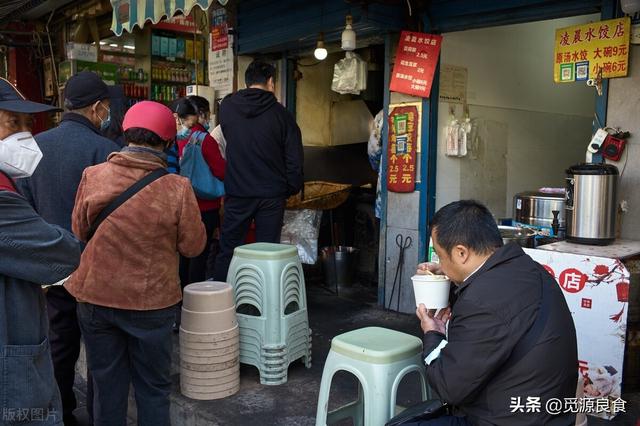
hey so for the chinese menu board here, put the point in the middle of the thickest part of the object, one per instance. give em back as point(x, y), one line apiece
point(582, 51)
point(597, 293)
point(404, 123)
point(415, 63)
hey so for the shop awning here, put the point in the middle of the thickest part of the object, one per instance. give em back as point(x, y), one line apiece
point(129, 13)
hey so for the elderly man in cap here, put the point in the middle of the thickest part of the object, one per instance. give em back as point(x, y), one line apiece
point(32, 253)
point(68, 149)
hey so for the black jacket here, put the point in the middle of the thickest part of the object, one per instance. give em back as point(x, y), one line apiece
point(494, 309)
point(264, 146)
point(66, 151)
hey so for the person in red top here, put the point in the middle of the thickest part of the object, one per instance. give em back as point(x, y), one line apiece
point(192, 114)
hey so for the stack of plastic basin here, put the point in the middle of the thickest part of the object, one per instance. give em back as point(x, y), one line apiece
point(209, 342)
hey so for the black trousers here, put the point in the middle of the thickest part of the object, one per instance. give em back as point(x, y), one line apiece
point(124, 347)
point(197, 269)
point(64, 338)
point(238, 214)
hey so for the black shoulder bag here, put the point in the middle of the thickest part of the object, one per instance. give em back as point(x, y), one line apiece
point(434, 408)
point(122, 198)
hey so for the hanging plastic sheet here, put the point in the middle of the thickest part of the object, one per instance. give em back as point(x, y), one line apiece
point(350, 75)
point(301, 228)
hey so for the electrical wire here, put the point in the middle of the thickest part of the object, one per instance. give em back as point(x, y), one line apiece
point(308, 65)
point(409, 4)
point(626, 159)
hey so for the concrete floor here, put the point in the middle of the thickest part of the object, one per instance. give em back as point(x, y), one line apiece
point(294, 403)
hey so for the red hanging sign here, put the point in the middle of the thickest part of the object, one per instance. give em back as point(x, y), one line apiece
point(404, 122)
point(415, 65)
point(219, 37)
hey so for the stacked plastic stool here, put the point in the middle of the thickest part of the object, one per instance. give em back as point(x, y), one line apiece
point(271, 305)
point(209, 342)
point(379, 358)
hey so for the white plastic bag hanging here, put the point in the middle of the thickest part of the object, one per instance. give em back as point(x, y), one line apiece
point(302, 228)
point(350, 75)
point(452, 135)
point(457, 136)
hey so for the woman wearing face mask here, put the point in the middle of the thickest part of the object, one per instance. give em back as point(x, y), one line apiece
point(192, 115)
point(127, 284)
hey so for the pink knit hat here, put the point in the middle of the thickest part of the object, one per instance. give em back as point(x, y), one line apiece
point(152, 116)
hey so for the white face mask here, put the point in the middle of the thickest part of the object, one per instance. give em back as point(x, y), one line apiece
point(19, 155)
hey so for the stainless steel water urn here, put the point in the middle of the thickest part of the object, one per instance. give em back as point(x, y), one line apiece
point(591, 203)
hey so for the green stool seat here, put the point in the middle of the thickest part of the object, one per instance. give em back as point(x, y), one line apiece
point(271, 308)
point(376, 345)
point(266, 251)
point(379, 358)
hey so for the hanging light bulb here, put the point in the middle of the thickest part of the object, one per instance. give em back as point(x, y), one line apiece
point(630, 7)
point(320, 53)
point(348, 35)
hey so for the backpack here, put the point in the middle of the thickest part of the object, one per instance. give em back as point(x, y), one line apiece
point(193, 166)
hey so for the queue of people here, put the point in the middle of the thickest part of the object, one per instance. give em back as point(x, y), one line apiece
point(123, 234)
point(103, 216)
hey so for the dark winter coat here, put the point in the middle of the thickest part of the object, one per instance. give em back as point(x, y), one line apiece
point(494, 309)
point(66, 151)
point(32, 253)
point(264, 146)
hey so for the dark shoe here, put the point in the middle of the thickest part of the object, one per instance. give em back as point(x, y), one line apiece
point(70, 420)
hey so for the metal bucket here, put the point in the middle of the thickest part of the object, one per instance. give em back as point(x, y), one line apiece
point(524, 237)
point(339, 264)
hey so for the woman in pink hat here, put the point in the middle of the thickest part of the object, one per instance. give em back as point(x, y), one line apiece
point(127, 284)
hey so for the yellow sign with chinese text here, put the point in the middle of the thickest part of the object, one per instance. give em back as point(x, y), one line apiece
point(582, 51)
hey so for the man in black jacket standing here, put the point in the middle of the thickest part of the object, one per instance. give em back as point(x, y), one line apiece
point(264, 163)
point(67, 150)
point(510, 345)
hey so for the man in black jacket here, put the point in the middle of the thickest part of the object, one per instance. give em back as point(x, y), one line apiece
point(264, 163)
point(497, 362)
point(67, 150)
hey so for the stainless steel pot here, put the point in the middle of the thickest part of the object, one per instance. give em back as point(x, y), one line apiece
point(536, 209)
point(524, 237)
point(591, 203)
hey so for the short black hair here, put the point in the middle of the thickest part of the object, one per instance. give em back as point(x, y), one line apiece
point(140, 136)
point(200, 103)
point(184, 107)
point(259, 72)
point(469, 223)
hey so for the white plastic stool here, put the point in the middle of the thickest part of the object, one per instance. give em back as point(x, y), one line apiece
point(379, 358)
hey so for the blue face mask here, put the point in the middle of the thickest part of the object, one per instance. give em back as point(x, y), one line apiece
point(104, 124)
point(206, 126)
point(183, 132)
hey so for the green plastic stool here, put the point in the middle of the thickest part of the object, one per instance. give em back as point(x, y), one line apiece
point(379, 358)
point(268, 280)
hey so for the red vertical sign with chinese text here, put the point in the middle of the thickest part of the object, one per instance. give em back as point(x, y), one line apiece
point(403, 140)
point(415, 64)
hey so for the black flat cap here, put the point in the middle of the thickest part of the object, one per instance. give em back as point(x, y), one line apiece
point(12, 100)
point(84, 89)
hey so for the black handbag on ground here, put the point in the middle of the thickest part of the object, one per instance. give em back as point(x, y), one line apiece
point(425, 410)
point(122, 198)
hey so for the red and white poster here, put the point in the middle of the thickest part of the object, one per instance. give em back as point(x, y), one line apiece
point(597, 293)
point(219, 37)
point(404, 134)
point(415, 63)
